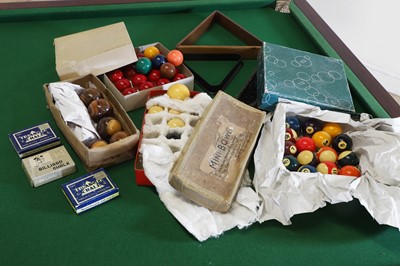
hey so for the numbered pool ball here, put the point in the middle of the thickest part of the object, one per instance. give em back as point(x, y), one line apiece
point(350, 170)
point(293, 122)
point(322, 139)
point(307, 157)
point(290, 162)
point(290, 134)
point(310, 126)
point(328, 168)
point(307, 169)
point(342, 142)
point(305, 143)
point(290, 148)
point(348, 158)
point(327, 154)
point(332, 129)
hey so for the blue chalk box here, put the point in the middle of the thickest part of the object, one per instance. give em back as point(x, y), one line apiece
point(90, 190)
point(301, 76)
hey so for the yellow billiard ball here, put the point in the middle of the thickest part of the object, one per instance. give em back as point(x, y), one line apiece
point(178, 91)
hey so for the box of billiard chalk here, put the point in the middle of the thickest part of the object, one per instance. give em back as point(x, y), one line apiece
point(88, 128)
point(47, 166)
point(156, 75)
point(108, 53)
point(307, 157)
point(34, 139)
point(167, 124)
point(90, 190)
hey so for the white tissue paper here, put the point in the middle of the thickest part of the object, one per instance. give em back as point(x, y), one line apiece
point(285, 194)
point(73, 111)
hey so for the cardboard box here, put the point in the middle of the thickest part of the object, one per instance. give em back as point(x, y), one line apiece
point(111, 154)
point(210, 167)
point(138, 99)
point(303, 77)
point(141, 178)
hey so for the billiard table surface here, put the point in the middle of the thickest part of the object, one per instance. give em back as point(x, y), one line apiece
point(37, 225)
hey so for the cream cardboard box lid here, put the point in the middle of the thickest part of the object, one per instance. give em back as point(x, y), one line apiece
point(94, 51)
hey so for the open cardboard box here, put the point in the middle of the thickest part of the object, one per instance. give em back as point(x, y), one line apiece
point(111, 154)
point(138, 99)
point(141, 178)
point(101, 50)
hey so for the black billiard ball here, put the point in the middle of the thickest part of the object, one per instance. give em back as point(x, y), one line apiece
point(348, 158)
point(342, 142)
point(310, 126)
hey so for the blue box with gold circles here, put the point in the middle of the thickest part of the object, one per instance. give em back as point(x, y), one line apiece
point(301, 76)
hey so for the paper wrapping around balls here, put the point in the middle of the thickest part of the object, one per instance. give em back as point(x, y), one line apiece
point(285, 194)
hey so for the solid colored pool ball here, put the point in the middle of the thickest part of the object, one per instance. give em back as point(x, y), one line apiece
point(305, 143)
point(178, 91)
point(146, 85)
point(151, 51)
point(328, 168)
point(310, 126)
point(155, 109)
point(154, 75)
point(348, 158)
point(118, 136)
point(307, 169)
point(90, 94)
point(178, 76)
point(143, 65)
point(175, 57)
point(122, 84)
point(175, 122)
point(115, 75)
point(162, 81)
point(332, 129)
point(290, 148)
point(290, 162)
point(98, 143)
point(138, 80)
point(100, 108)
point(168, 70)
point(158, 61)
point(128, 91)
point(322, 139)
point(290, 134)
point(350, 170)
point(293, 122)
point(108, 126)
point(307, 157)
point(129, 71)
point(342, 142)
point(326, 154)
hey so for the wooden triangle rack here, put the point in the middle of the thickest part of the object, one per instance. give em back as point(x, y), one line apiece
point(248, 51)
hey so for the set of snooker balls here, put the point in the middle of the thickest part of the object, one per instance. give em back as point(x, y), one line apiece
point(152, 69)
point(312, 145)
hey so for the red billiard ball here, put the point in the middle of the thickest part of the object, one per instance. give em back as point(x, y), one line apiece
point(178, 76)
point(322, 139)
point(115, 75)
point(350, 170)
point(348, 158)
point(175, 57)
point(332, 129)
point(140, 55)
point(128, 91)
point(122, 84)
point(146, 85)
point(138, 80)
point(129, 71)
point(290, 148)
point(168, 70)
point(307, 157)
point(305, 143)
point(162, 81)
point(327, 154)
point(290, 134)
point(328, 168)
point(154, 75)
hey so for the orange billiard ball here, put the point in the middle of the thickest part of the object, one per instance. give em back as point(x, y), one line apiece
point(325, 154)
point(332, 129)
point(350, 170)
point(322, 139)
